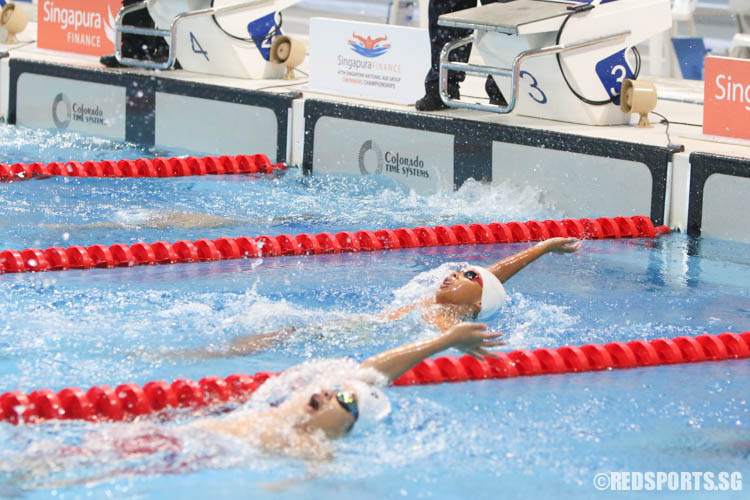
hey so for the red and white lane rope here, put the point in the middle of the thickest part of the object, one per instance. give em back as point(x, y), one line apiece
point(162, 252)
point(144, 167)
point(129, 401)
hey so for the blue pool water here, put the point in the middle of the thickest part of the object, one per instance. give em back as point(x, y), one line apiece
point(536, 437)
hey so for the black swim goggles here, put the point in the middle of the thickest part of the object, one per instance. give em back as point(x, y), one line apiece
point(472, 276)
point(348, 401)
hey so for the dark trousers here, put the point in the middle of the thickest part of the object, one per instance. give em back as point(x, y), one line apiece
point(440, 35)
point(138, 46)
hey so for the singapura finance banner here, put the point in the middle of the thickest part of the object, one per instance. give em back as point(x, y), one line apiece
point(78, 26)
point(381, 62)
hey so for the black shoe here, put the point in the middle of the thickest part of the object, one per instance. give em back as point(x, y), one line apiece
point(110, 61)
point(498, 100)
point(432, 102)
point(494, 93)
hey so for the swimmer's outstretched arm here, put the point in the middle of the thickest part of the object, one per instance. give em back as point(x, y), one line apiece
point(471, 338)
point(506, 268)
point(240, 346)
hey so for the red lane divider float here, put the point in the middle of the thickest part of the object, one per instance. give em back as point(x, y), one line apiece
point(158, 167)
point(162, 252)
point(590, 357)
point(129, 401)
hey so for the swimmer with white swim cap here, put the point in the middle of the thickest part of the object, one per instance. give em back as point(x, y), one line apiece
point(304, 422)
point(473, 293)
point(316, 407)
point(477, 292)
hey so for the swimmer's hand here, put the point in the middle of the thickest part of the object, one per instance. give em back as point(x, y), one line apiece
point(562, 245)
point(473, 339)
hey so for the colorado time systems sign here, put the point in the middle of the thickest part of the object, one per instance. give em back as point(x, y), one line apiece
point(80, 26)
point(419, 159)
point(75, 105)
point(63, 112)
point(392, 162)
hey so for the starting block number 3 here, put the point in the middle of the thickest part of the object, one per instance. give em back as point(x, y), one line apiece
point(612, 71)
point(536, 93)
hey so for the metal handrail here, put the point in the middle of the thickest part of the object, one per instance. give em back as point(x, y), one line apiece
point(120, 28)
point(514, 72)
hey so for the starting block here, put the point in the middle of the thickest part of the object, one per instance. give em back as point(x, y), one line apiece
point(559, 60)
point(219, 37)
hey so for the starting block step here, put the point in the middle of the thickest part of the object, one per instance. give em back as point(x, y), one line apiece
point(509, 18)
point(553, 59)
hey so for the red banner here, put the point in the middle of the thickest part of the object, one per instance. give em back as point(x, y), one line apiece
point(79, 26)
point(726, 99)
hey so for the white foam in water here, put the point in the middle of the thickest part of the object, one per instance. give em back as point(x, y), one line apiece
point(313, 376)
point(133, 217)
point(477, 201)
point(252, 309)
point(181, 310)
point(379, 201)
point(425, 284)
point(47, 145)
point(418, 428)
point(530, 324)
point(255, 309)
point(114, 209)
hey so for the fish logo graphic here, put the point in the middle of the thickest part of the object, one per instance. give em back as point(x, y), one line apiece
point(369, 47)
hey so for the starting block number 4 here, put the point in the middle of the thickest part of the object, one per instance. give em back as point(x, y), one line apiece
point(612, 71)
point(196, 45)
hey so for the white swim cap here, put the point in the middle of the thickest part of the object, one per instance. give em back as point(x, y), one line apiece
point(373, 403)
point(493, 292)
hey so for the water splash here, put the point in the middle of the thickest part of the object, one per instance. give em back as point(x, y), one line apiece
point(106, 211)
point(26, 145)
point(424, 284)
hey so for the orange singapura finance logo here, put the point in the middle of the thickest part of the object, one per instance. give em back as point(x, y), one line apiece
point(726, 100)
point(79, 26)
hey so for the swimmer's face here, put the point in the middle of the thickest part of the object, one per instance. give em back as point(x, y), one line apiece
point(462, 288)
point(328, 414)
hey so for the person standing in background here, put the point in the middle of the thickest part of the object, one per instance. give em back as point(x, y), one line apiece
point(439, 36)
point(148, 48)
